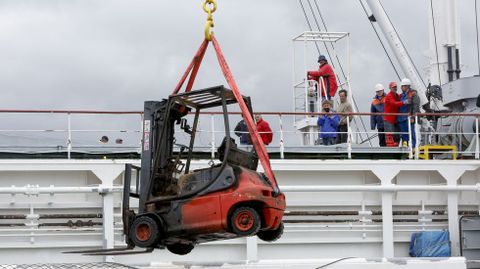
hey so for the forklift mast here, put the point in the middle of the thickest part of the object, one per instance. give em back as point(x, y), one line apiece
point(158, 164)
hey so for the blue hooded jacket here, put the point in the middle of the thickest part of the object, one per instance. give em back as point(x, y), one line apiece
point(328, 125)
point(403, 109)
point(378, 106)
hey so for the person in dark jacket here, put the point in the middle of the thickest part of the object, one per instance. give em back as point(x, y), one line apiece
point(241, 130)
point(328, 124)
point(263, 128)
point(376, 121)
point(326, 72)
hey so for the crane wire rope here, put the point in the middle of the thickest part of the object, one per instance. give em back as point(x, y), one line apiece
point(318, 27)
point(435, 38)
point(308, 23)
point(380, 39)
point(341, 67)
point(331, 44)
point(476, 30)
point(403, 44)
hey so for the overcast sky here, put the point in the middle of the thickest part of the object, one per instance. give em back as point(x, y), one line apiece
point(114, 54)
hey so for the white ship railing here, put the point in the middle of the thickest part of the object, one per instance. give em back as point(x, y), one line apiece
point(71, 138)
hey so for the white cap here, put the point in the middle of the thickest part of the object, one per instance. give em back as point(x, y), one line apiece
point(379, 87)
point(405, 82)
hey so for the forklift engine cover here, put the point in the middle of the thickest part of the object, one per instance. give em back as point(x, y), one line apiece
point(180, 207)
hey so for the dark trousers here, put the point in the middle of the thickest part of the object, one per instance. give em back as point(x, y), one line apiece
point(381, 137)
point(342, 134)
point(327, 141)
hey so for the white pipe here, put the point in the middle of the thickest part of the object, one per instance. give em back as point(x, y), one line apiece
point(35, 189)
point(398, 48)
point(379, 188)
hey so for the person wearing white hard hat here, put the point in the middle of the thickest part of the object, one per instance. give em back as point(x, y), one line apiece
point(411, 106)
point(378, 106)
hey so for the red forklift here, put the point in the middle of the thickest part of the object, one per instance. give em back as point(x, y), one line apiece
point(180, 207)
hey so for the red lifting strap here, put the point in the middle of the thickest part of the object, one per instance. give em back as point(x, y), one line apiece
point(195, 65)
point(252, 128)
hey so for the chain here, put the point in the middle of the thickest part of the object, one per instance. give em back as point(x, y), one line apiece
point(209, 6)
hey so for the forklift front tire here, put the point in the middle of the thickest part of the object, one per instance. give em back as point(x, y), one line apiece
point(245, 221)
point(144, 232)
point(271, 235)
point(180, 249)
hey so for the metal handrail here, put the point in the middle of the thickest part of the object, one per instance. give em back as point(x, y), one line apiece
point(413, 152)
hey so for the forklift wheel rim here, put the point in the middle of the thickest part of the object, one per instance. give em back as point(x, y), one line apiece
point(143, 232)
point(244, 221)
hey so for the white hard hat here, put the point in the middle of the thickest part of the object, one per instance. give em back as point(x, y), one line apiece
point(379, 87)
point(405, 82)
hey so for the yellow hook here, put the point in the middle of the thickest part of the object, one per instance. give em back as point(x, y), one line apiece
point(209, 10)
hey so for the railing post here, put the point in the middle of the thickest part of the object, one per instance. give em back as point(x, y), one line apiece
point(349, 140)
point(477, 146)
point(306, 76)
point(141, 132)
point(69, 139)
point(282, 146)
point(212, 136)
point(410, 148)
point(417, 141)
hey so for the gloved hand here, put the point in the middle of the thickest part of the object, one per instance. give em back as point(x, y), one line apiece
point(407, 102)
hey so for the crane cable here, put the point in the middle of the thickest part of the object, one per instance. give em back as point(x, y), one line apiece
point(331, 44)
point(318, 26)
point(308, 23)
point(380, 39)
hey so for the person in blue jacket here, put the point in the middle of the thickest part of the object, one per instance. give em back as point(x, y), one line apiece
point(376, 121)
point(411, 106)
point(328, 124)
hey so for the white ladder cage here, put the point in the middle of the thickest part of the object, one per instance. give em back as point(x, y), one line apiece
point(304, 96)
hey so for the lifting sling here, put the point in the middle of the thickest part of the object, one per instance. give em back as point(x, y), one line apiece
point(192, 69)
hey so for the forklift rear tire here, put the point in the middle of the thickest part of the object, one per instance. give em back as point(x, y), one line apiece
point(180, 249)
point(144, 232)
point(245, 221)
point(271, 235)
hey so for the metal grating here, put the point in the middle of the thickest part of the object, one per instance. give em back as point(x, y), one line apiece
point(104, 265)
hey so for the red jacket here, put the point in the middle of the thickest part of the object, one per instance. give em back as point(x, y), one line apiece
point(330, 80)
point(265, 132)
point(392, 104)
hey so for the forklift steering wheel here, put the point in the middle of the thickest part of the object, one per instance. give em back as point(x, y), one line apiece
point(182, 147)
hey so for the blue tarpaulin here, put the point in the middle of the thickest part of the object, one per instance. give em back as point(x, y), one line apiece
point(430, 244)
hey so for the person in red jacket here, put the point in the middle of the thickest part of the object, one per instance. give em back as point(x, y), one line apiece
point(392, 105)
point(329, 79)
point(264, 130)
